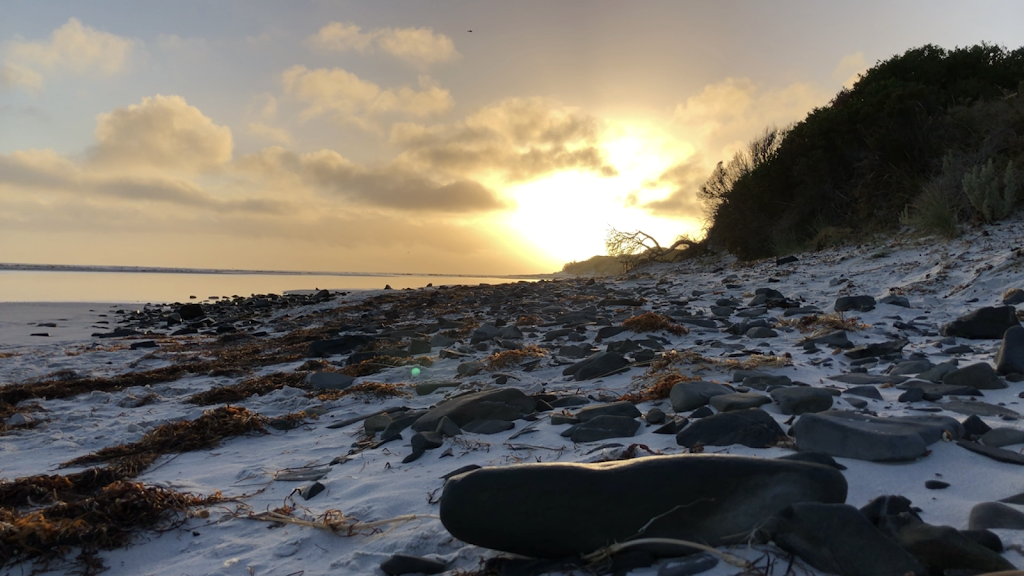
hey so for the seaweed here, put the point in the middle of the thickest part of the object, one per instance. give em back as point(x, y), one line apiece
point(242, 390)
point(653, 322)
point(368, 390)
point(509, 358)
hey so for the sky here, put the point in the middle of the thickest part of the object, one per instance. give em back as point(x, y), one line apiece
point(472, 137)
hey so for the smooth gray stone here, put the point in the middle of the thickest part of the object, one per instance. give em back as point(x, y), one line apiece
point(761, 332)
point(511, 333)
point(446, 427)
point(604, 427)
point(687, 396)
point(738, 401)
point(488, 426)
point(911, 367)
point(742, 375)
point(837, 539)
point(609, 331)
point(688, 566)
point(837, 339)
point(484, 334)
point(621, 408)
point(503, 404)
point(419, 347)
point(470, 368)
point(568, 401)
point(935, 374)
point(997, 454)
point(753, 428)
point(863, 437)
point(876, 349)
point(555, 334)
point(864, 391)
point(861, 378)
point(1013, 296)
point(722, 311)
point(800, 310)
point(977, 408)
point(766, 382)
point(941, 548)
point(752, 312)
point(441, 341)
point(995, 516)
point(394, 429)
point(900, 301)
point(1010, 359)
point(858, 403)
point(980, 376)
point(699, 322)
point(988, 323)
point(329, 380)
point(801, 399)
point(714, 499)
point(855, 303)
point(376, 423)
point(814, 458)
point(940, 389)
point(573, 351)
point(600, 364)
point(655, 416)
point(999, 437)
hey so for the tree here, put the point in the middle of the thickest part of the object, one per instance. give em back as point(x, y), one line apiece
point(759, 151)
point(634, 249)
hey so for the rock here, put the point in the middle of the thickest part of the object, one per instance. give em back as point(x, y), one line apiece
point(600, 364)
point(688, 566)
point(622, 408)
point(717, 500)
point(939, 389)
point(484, 333)
point(329, 380)
point(979, 409)
point(877, 349)
point(404, 564)
point(864, 391)
point(753, 428)
point(446, 427)
point(655, 416)
point(609, 331)
point(994, 516)
point(975, 426)
point(602, 428)
point(687, 396)
point(984, 323)
point(394, 429)
point(20, 419)
point(858, 403)
point(1010, 359)
point(419, 347)
point(802, 399)
point(999, 437)
point(863, 437)
point(936, 373)
point(343, 345)
point(502, 404)
point(980, 376)
point(137, 345)
point(911, 395)
point(738, 401)
point(761, 332)
point(471, 368)
point(487, 426)
point(310, 492)
point(855, 303)
point(997, 454)
point(859, 378)
point(1013, 296)
point(742, 375)
point(900, 301)
point(779, 262)
point(936, 485)
point(190, 311)
point(911, 367)
point(421, 442)
point(766, 382)
point(569, 401)
point(441, 341)
point(376, 423)
point(814, 458)
point(511, 333)
point(835, 538)
point(837, 339)
point(941, 548)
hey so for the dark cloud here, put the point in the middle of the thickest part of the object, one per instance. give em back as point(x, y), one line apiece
point(684, 179)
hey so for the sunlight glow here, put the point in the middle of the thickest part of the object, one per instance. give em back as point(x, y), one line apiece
point(567, 215)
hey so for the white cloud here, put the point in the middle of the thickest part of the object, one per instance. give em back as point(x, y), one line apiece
point(278, 135)
point(161, 132)
point(420, 46)
point(850, 68)
point(73, 48)
point(352, 99)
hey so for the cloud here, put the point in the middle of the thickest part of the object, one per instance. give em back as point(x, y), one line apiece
point(73, 48)
point(187, 47)
point(351, 99)
point(419, 46)
point(850, 68)
point(279, 135)
point(161, 132)
point(682, 180)
point(518, 138)
point(389, 186)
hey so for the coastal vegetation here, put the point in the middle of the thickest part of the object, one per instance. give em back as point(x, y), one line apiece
point(932, 139)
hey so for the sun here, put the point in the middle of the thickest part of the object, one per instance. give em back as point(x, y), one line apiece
point(566, 216)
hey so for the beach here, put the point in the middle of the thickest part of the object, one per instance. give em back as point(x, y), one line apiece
point(308, 386)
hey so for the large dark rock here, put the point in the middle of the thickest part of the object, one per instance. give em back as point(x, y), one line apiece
point(1010, 359)
point(802, 399)
point(863, 437)
point(687, 396)
point(854, 303)
point(877, 349)
point(191, 311)
point(557, 510)
point(980, 376)
point(836, 538)
point(342, 345)
point(329, 380)
point(600, 364)
point(995, 515)
point(503, 404)
point(404, 564)
point(990, 322)
point(621, 408)
point(738, 401)
point(753, 428)
point(603, 428)
point(941, 548)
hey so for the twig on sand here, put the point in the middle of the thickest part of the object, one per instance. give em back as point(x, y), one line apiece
point(609, 551)
point(335, 521)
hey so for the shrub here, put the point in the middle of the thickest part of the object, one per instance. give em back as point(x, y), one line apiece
point(991, 196)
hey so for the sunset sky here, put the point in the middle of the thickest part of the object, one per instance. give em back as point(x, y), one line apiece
point(385, 136)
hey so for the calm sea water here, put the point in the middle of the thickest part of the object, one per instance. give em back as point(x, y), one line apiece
point(77, 286)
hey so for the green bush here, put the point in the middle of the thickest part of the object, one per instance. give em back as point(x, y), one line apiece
point(993, 197)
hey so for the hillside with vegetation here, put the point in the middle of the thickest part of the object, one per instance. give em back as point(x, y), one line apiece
point(932, 138)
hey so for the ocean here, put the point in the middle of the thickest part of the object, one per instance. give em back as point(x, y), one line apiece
point(154, 285)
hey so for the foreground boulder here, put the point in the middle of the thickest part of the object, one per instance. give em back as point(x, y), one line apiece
point(558, 510)
point(504, 404)
point(863, 437)
point(752, 427)
point(990, 322)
